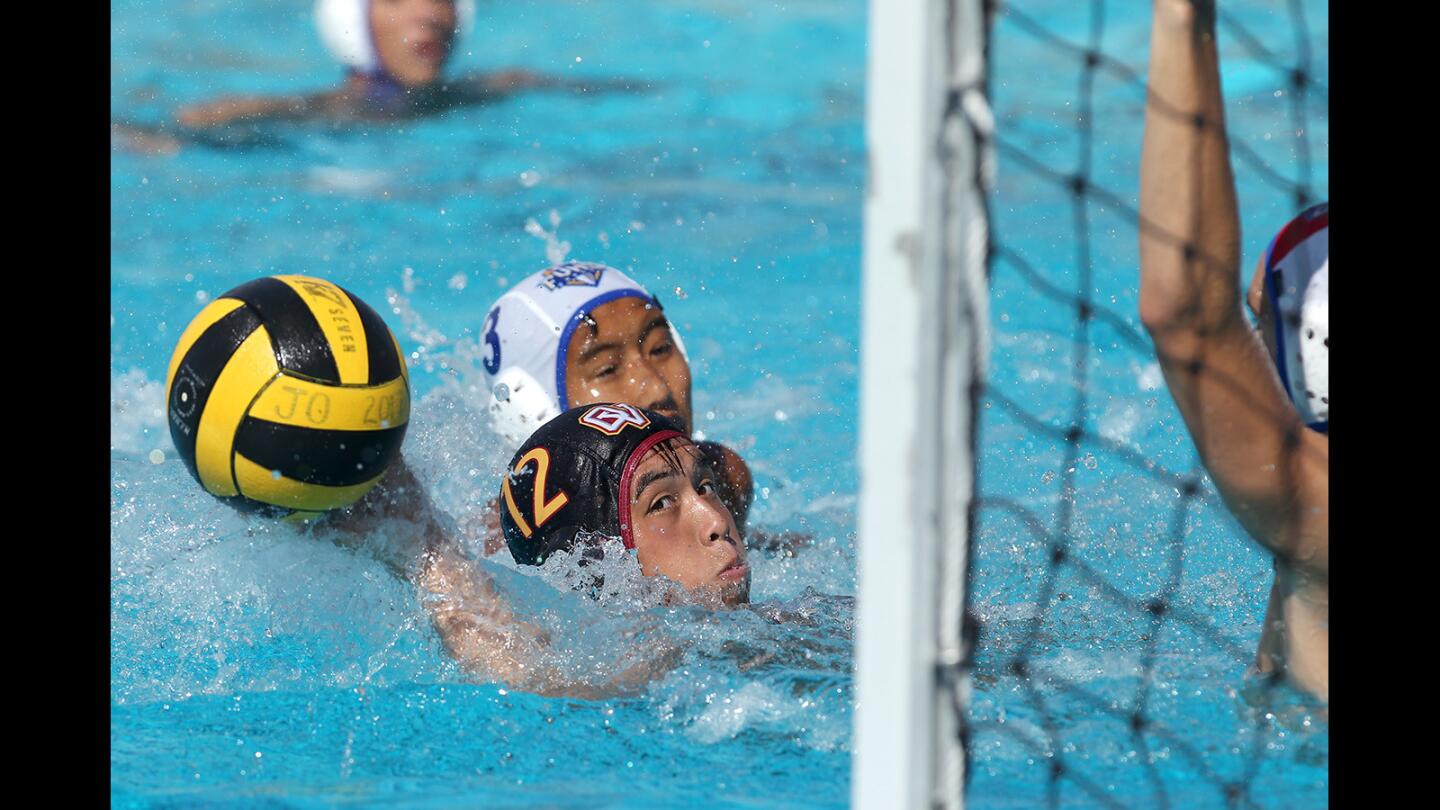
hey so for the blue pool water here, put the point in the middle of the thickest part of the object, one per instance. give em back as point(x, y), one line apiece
point(253, 666)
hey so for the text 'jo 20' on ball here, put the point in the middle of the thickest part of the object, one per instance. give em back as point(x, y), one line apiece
point(288, 394)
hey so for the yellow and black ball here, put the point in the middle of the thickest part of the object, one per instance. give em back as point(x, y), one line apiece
point(288, 395)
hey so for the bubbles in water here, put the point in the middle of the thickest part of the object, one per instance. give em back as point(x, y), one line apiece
point(1150, 377)
point(157, 456)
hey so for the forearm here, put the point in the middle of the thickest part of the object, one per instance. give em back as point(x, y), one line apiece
point(483, 634)
point(1190, 230)
point(228, 110)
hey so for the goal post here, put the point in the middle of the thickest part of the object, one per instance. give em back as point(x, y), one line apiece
point(923, 345)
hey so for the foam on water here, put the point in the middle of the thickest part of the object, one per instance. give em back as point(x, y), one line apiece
point(212, 609)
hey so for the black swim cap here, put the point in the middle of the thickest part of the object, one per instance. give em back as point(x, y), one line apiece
point(573, 474)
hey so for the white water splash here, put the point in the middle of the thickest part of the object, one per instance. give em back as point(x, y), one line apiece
point(137, 414)
point(555, 249)
point(601, 567)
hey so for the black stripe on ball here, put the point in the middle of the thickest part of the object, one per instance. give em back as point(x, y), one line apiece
point(196, 375)
point(384, 362)
point(299, 342)
point(332, 458)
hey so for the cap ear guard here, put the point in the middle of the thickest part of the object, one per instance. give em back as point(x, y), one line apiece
point(518, 404)
point(536, 522)
point(344, 27)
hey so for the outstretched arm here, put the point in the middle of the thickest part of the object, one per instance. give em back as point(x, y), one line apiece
point(1272, 472)
point(475, 621)
point(484, 635)
point(478, 88)
point(246, 108)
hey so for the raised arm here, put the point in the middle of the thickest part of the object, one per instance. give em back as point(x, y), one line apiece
point(1272, 472)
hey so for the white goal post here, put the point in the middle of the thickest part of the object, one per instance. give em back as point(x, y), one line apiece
point(923, 349)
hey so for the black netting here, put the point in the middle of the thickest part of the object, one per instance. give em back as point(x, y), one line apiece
point(1107, 670)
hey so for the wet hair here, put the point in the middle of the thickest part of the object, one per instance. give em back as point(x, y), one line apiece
point(669, 450)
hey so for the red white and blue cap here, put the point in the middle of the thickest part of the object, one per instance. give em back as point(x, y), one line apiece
point(1297, 283)
point(526, 335)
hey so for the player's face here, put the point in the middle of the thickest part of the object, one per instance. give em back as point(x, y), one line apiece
point(681, 529)
point(626, 353)
point(413, 37)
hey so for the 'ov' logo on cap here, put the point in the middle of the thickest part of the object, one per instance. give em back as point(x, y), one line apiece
point(611, 419)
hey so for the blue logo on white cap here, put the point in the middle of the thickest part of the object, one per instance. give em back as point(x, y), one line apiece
point(572, 274)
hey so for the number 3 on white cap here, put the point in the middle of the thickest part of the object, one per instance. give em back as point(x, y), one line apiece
point(492, 363)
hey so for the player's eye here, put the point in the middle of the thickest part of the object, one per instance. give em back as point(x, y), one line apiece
point(662, 349)
point(662, 502)
point(706, 487)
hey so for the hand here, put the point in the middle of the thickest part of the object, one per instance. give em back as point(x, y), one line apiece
point(515, 79)
point(147, 141)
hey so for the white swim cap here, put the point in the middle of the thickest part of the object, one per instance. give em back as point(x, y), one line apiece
point(345, 29)
point(1297, 281)
point(527, 332)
